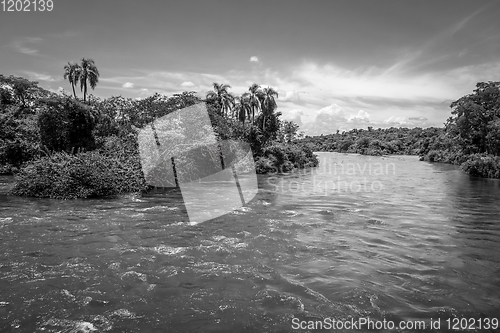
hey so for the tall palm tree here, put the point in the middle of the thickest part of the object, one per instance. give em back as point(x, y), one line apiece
point(243, 108)
point(255, 95)
point(268, 104)
point(221, 94)
point(72, 73)
point(89, 75)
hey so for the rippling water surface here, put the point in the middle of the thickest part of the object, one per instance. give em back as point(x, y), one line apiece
point(385, 238)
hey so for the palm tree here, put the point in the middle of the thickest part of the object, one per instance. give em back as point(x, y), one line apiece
point(268, 104)
point(72, 73)
point(243, 108)
point(221, 95)
point(255, 95)
point(89, 75)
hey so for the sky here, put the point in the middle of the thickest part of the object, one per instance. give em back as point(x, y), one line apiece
point(336, 64)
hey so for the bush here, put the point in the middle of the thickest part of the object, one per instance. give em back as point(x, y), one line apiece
point(84, 175)
point(373, 152)
point(482, 165)
point(433, 156)
point(265, 165)
point(345, 145)
point(285, 157)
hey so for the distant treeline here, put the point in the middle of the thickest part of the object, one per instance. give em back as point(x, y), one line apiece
point(397, 141)
point(470, 137)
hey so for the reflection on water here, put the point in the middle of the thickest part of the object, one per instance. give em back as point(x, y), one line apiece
point(404, 240)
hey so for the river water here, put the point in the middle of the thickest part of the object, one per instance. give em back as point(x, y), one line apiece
point(357, 237)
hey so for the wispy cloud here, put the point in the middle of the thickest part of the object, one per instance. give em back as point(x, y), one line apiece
point(128, 85)
point(27, 45)
point(39, 76)
point(445, 48)
point(254, 59)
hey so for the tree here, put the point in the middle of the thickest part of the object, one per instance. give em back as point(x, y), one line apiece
point(21, 91)
point(89, 75)
point(66, 125)
point(242, 108)
point(254, 98)
point(222, 96)
point(72, 72)
point(268, 105)
point(474, 116)
point(289, 131)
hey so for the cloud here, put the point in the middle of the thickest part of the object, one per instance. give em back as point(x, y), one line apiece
point(398, 121)
point(40, 76)
point(333, 117)
point(370, 82)
point(187, 84)
point(128, 85)
point(254, 59)
point(293, 115)
point(290, 96)
point(361, 116)
point(25, 45)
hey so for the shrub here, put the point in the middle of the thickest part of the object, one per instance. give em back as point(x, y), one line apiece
point(345, 145)
point(265, 165)
point(482, 165)
point(84, 175)
point(285, 157)
point(434, 156)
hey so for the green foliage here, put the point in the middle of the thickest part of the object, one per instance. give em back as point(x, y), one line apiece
point(482, 165)
point(474, 117)
point(289, 131)
point(403, 141)
point(88, 75)
point(21, 91)
point(72, 72)
point(19, 138)
point(281, 157)
point(113, 169)
point(85, 175)
point(221, 95)
point(66, 125)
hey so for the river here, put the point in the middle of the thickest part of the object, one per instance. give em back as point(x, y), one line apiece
point(357, 237)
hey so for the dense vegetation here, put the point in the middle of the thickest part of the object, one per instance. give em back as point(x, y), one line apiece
point(61, 147)
point(470, 137)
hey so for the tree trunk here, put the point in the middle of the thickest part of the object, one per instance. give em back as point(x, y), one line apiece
point(73, 87)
